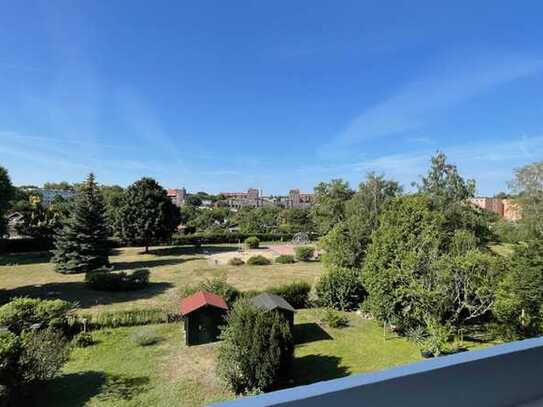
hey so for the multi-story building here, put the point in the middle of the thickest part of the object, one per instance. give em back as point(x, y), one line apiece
point(253, 198)
point(506, 208)
point(249, 199)
point(297, 199)
point(177, 196)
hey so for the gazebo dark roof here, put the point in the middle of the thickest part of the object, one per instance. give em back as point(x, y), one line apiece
point(270, 302)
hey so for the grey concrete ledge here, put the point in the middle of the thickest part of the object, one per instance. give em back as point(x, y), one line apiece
point(503, 375)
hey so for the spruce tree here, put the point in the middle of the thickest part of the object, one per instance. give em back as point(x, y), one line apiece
point(81, 245)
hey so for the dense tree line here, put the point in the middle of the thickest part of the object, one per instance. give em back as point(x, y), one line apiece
point(421, 261)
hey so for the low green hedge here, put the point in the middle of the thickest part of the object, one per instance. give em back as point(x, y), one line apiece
point(208, 238)
point(296, 293)
point(304, 253)
point(258, 261)
point(252, 242)
point(133, 317)
point(117, 281)
point(285, 259)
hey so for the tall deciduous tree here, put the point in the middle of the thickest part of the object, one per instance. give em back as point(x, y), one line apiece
point(444, 184)
point(81, 246)
point(146, 214)
point(345, 244)
point(329, 205)
point(528, 184)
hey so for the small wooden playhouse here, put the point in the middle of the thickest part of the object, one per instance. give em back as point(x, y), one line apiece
point(203, 314)
point(275, 303)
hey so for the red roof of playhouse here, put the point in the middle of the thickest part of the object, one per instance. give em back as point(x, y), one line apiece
point(201, 299)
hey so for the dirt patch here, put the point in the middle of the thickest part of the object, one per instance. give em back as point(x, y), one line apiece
point(222, 259)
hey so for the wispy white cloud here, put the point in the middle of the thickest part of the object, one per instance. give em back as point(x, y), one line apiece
point(490, 163)
point(446, 85)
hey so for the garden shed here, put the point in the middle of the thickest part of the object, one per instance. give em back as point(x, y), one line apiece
point(272, 302)
point(203, 314)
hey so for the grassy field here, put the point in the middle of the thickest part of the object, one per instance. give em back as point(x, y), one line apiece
point(171, 268)
point(117, 372)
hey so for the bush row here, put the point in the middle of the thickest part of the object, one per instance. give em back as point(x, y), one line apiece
point(118, 281)
point(207, 238)
point(133, 317)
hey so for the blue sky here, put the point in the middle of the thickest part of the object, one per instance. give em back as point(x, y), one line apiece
point(221, 96)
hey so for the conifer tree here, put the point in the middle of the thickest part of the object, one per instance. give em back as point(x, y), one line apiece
point(81, 245)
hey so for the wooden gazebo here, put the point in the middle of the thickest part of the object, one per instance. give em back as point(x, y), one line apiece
point(203, 314)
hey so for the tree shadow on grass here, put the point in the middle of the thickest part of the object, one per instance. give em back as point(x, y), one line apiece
point(77, 389)
point(309, 332)
point(120, 387)
point(191, 250)
point(315, 368)
point(24, 259)
point(132, 265)
point(79, 292)
point(74, 389)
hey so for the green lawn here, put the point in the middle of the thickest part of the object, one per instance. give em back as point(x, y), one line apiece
point(171, 268)
point(116, 372)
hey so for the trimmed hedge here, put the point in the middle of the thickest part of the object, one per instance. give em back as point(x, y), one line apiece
point(296, 293)
point(236, 261)
point(285, 259)
point(304, 253)
point(217, 286)
point(207, 238)
point(117, 281)
point(133, 317)
point(252, 242)
point(258, 261)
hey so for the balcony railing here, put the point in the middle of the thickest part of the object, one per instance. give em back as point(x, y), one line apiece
point(503, 375)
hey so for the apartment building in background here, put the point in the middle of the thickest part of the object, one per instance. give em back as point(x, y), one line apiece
point(177, 196)
point(254, 198)
point(506, 208)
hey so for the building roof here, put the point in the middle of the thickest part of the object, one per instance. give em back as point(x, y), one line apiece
point(270, 302)
point(201, 299)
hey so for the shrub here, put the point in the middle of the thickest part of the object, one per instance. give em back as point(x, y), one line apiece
point(341, 289)
point(22, 312)
point(437, 340)
point(145, 337)
point(236, 261)
point(133, 317)
point(252, 242)
point(83, 340)
point(296, 293)
point(305, 253)
point(43, 354)
point(334, 319)
point(118, 281)
point(256, 351)
point(258, 261)
point(217, 286)
point(285, 259)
